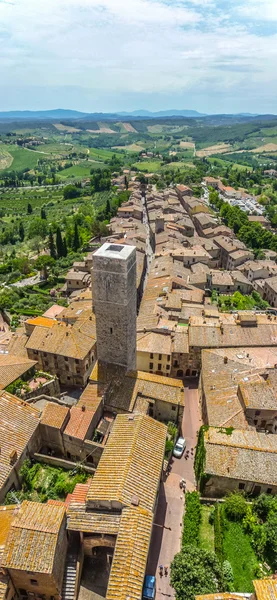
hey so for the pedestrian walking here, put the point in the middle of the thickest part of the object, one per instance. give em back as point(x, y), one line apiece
point(161, 570)
point(166, 571)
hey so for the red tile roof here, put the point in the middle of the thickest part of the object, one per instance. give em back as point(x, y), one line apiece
point(79, 422)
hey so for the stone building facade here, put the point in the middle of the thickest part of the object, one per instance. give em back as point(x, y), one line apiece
point(115, 304)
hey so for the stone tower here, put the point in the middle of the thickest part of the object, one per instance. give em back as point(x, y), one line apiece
point(115, 304)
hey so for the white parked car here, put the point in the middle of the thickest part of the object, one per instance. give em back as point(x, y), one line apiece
point(179, 447)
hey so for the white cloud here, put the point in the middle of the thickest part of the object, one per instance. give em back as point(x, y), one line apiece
point(260, 10)
point(132, 46)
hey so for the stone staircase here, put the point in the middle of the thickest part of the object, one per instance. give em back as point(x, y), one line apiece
point(70, 572)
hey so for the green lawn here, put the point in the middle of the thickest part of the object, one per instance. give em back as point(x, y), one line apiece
point(149, 166)
point(225, 163)
point(179, 165)
point(239, 552)
point(82, 170)
point(206, 530)
point(99, 154)
point(22, 159)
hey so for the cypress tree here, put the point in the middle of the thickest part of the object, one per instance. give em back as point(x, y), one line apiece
point(108, 209)
point(76, 239)
point(52, 246)
point(43, 213)
point(59, 243)
point(21, 232)
point(64, 247)
point(29, 209)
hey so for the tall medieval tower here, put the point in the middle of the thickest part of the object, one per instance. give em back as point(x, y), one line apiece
point(115, 304)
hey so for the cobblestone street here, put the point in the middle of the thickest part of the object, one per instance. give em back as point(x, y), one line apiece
point(166, 538)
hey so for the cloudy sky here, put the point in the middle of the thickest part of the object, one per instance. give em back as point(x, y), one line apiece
point(214, 56)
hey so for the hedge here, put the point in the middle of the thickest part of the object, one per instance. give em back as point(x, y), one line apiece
point(218, 534)
point(192, 520)
point(200, 456)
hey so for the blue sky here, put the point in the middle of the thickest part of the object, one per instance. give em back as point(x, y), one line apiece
point(214, 56)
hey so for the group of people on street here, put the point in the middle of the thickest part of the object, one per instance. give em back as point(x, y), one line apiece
point(163, 570)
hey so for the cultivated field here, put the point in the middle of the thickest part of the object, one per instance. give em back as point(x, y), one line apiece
point(67, 128)
point(189, 145)
point(217, 149)
point(128, 127)
point(265, 148)
point(5, 160)
point(21, 158)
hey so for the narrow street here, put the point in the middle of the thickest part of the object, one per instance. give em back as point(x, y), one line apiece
point(166, 537)
point(148, 247)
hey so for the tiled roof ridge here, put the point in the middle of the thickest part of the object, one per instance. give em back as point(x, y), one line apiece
point(237, 444)
point(139, 422)
point(231, 417)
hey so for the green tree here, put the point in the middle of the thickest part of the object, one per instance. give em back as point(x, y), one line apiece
point(44, 264)
point(195, 572)
point(271, 538)
point(52, 246)
point(264, 505)
point(59, 243)
point(76, 240)
point(235, 507)
point(43, 213)
point(21, 232)
point(29, 209)
point(38, 227)
point(71, 191)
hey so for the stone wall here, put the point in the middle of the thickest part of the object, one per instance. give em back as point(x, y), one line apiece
point(220, 486)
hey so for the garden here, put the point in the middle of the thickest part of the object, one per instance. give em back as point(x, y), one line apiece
point(238, 301)
point(226, 546)
point(41, 482)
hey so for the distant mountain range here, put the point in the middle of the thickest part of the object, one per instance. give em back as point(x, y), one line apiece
point(63, 114)
point(163, 113)
point(60, 113)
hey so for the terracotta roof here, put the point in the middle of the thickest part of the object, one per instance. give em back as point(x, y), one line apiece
point(211, 335)
point(127, 389)
point(136, 445)
point(258, 393)
point(7, 514)
point(41, 322)
point(180, 342)
point(78, 519)
point(266, 589)
point(77, 276)
point(130, 555)
point(32, 540)
point(221, 278)
point(220, 381)
point(53, 311)
point(91, 397)
point(74, 341)
point(80, 491)
point(79, 422)
point(12, 367)
point(158, 343)
point(247, 455)
point(3, 590)
point(18, 422)
point(54, 415)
